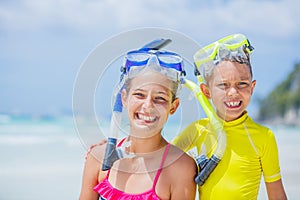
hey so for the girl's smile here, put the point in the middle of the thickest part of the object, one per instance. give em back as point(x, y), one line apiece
point(147, 118)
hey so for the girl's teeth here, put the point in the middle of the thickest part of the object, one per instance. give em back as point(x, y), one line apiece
point(146, 118)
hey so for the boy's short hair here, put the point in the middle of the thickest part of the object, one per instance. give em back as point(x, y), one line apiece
point(226, 55)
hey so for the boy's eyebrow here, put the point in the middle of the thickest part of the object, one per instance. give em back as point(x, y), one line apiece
point(246, 78)
point(241, 78)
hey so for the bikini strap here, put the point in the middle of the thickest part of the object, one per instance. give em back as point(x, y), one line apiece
point(121, 142)
point(161, 165)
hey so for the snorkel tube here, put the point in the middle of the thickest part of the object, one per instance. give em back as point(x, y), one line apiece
point(111, 152)
point(207, 165)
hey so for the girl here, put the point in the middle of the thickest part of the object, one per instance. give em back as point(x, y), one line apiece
point(158, 170)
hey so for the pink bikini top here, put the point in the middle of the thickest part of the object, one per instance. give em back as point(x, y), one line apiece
point(108, 192)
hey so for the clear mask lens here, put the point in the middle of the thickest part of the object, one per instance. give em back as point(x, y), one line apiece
point(228, 47)
point(167, 63)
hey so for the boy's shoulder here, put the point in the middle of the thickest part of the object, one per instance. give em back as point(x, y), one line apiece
point(259, 130)
point(257, 125)
point(202, 121)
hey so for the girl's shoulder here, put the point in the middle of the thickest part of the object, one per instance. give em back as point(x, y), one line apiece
point(179, 169)
point(178, 158)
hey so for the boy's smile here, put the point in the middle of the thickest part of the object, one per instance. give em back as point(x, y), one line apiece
point(233, 104)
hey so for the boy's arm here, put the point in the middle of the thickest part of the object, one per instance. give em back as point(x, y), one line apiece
point(186, 140)
point(276, 191)
point(271, 169)
point(102, 142)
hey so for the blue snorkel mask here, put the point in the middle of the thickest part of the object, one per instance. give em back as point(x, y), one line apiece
point(167, 63)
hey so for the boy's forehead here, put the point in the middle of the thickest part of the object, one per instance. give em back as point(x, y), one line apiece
point(229, 69)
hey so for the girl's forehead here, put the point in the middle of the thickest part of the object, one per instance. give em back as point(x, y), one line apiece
point(151, 80)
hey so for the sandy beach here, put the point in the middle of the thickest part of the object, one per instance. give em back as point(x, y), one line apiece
point(44, 160)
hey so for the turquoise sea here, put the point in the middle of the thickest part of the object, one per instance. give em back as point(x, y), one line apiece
point(43, 158)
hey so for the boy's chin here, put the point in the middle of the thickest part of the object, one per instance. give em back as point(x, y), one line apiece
point(233, 116)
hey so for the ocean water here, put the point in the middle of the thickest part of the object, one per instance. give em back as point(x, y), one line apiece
point(43, 158)
point(40, 158)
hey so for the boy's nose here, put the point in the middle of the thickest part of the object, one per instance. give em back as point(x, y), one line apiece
point(232, 91)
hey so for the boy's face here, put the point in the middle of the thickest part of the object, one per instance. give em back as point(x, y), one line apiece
point(230, 88)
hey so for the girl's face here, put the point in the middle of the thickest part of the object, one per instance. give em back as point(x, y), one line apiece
point(230, 88)
point(149, 103)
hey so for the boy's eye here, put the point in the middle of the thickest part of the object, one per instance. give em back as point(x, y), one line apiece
point(243, 84)
point(222, 85)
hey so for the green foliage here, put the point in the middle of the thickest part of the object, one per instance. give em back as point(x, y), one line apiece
point(284, 97)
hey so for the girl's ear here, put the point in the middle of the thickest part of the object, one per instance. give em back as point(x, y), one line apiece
point(205, 90)
point(124, 98)
point(174, 106)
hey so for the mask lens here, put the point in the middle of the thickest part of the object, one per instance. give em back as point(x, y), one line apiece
point(169, 58)
point(232, 44)
point(137, 56)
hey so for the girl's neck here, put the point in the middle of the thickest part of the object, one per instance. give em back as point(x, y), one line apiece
point(146, 145)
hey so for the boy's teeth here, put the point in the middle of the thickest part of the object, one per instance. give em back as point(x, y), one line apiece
point(233, 103)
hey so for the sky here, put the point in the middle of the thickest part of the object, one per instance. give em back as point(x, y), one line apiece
point(44, 43)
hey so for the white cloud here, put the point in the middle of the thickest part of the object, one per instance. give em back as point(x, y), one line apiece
point(31, 34)
point(278, 19)
point(274, 18)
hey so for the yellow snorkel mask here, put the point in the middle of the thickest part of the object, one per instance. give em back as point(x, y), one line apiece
point(236, 45)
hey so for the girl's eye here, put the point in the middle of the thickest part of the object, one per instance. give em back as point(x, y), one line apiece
point(138, 94)
point(161, 99)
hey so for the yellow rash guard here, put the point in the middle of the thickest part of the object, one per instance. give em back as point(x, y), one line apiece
point(250, 152)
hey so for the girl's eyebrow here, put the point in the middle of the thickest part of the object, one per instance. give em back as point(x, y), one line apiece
point(163, 93)
point(139, 89)
point(156, 92)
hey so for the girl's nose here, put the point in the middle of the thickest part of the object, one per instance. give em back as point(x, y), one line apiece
point(148, 104)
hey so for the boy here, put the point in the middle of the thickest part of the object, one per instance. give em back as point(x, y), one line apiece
point(251, 148)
